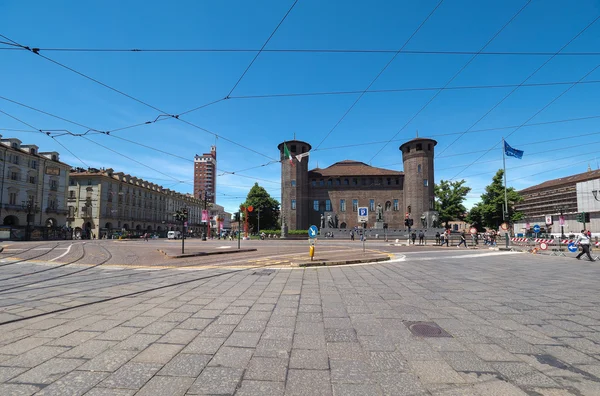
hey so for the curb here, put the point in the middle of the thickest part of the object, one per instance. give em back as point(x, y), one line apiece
point(341, 262)
point(196, 254)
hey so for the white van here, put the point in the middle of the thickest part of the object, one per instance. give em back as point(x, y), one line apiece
point(173, 234)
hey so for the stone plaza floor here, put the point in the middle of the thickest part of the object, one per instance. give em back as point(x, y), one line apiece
point(516, 324)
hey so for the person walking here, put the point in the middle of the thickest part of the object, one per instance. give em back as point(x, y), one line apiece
point(413, 236)
point(584, 241)
point(442, 238)
point(351, 235)
point(463, 239)
point(437, 238)
point(421, 237)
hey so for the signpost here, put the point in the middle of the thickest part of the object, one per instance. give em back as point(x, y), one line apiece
point(473, 230)
point(536, 229)
point(312, 235)
point(543, 246)
point(572, 247)
point(363, 214)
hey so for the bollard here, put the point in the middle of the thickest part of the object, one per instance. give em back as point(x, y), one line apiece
point(311, 252)
point(506, 235)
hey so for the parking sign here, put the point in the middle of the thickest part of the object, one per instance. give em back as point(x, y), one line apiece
point(363, 214)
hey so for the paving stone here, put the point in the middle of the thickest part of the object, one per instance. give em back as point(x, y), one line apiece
point(158, 327)
point(308, 341)
point(217, 381)
point(158, 353)
point(48, 371)
point(387, 361)
point(349, 371)
point(395, 383)
point(204, 345)
point(377, 343)
point(492, 353)
point(218, 330)
point(341, 389)
point(498, 388)
point(74, 339)
point(308, 383)
point(34, 356)
point(132, 375)
point(232, 357)
point(273, 348)
point(185, 365)
point(243, 339)
point(466, 361)
point(195, 324)
point(309, 359)
point(22, 346)
point(340, 335)
point(282, 321)
point(75, 383)
point(137, 342)
point(262, 388)
point(109, 360)
point(435, 372)
point(179, 336)
point(278, 333)
point(172, 386)
point(119, 333)
point(6, 373)
point(345, 350)
point(266, 369)
point(18, 389)
point(89, 349)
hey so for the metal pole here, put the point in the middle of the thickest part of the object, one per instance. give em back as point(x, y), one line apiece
point(561, 221)
point(239, 226)
point(583, 218)
point(258, 212)
point(182, 235)
point(505, 212)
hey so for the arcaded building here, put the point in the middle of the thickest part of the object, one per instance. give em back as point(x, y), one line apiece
point(340, 189)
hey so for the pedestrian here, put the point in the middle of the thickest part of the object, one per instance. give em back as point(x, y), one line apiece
point(351, 235)
point(421, 237)
point(442, 238)
point(146, 236)
point(437, 238)
point(463, 239)
point(413, 236)
point(584, 241)
point(448, 237)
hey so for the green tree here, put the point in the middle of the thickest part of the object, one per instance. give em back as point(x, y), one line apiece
point(475, 217)
point(260, 200)
point(488, 212)
point(449, 198)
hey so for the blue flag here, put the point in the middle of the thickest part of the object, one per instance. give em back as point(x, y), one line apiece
point(511, 152)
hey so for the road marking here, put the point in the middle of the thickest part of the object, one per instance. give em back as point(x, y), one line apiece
point(64, 254)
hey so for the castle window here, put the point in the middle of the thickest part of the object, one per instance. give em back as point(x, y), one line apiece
point(389, 181)
point(408, 209)
point(293, 204)
point(429, 147)
point(329, 182)
point(327, 205)
point(425, 183)
point(372, 205)
point(338, 182)
point(397, 181)
point(407, 149)
point(396, 206)
point(355, 205)
point(293, 183)
point(346, 182)
point(314, 183)
point(355, 181)
point(388, 206)
point(419, 147)
point(342, 205)
point(321, 183)
point(316, 205)
point(419, 168)
point(293, 148)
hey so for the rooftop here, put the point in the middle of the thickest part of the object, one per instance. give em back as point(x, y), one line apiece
point(352, 168)
point(568, 180)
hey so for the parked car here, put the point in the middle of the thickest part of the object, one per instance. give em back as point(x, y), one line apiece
point(174, 235)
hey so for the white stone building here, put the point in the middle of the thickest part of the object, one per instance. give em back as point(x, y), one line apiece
point(30, 176)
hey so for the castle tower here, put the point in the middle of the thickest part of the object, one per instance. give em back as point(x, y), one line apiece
point(417, 156)
point(294, 185)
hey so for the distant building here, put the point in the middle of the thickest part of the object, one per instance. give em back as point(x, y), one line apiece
point(205, 175)
point(101, 202)
point(35, 177)
point(543, 203)
point(339, 190)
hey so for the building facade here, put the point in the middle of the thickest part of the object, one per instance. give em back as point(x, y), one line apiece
point(33, 183)
point(544, 203)
point(102, 202)
point(310, 196)
point(205, 175)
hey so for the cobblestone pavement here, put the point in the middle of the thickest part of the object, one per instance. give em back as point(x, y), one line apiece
point(519, 325)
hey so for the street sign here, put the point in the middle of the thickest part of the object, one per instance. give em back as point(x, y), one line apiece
point(313, 231)
point(504, 226)
point(543, 246)
point(473, 230)
point(548, 220)
point(536, 229)
point(363, 214)
point(572, 247)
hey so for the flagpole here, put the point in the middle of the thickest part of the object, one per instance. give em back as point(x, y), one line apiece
point(505, 211)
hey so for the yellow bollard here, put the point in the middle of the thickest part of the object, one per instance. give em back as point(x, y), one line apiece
point(311, 252)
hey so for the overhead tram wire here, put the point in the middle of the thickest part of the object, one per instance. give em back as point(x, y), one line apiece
point(524, 81)
point(162, 112)
point(453, 78)
point(379, 74)
point(32, 127)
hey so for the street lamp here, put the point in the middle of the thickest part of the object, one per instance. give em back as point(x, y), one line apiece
point(205, 217)
point(31, 208)
point(181, 215)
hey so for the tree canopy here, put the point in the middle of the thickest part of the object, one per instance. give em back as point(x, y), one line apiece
point(268, 207)
point(449, 198)
point(488, 212)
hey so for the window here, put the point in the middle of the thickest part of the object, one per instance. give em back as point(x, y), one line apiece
point(12, 198)
point(397, 181)
point(425, 183)
point(389, 181)
point(338, 182)
point(293, 148)
point(52, 202)
point(346, 182)
point(321, 183)
point(355, 181)
point(71, 182)
point(293, 204)
point(372, 205)
point(355, 205)
point(89, 182)
point(328, 205)
point(293, 183)
point(30, 198)
point(429, 147)
point(54, 185)
point(342, 205)
point(396, 206)
point(419, 147)
point(33, 164)
point(54, 158)
point(16, 159)
point(329, 183)
point(71, 194)
point(316, 205)
point(419, 168)
point(32, 179)
point(32, 151)
point(14, 175)
point(408, 208)
point(71, 211)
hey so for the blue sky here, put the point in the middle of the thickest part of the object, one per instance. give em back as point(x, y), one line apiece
point(179, 81)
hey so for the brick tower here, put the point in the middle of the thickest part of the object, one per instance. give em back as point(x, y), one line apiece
point(417, 156)
point(294, 186)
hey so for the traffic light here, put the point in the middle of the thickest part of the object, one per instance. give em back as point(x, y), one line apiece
point(406, 222)
point(586, 217)
point(410, 222)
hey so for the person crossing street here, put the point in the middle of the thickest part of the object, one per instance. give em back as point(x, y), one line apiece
point(584, 241)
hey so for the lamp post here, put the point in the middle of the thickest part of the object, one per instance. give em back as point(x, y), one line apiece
point(181, 215)
point(561, 220)
point(30, 207)
point(205, 217)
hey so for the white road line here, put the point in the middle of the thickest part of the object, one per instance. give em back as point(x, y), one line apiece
point(64, 254)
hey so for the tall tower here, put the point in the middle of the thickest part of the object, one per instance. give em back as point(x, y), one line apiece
point(294, 185)
point(205, 175)
point(417, 156)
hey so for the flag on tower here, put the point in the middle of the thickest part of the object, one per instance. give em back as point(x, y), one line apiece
point(512, 152)
point(286, 154)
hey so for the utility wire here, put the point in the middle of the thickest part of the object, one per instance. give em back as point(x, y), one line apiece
point(380, 73)
point(524, 81)
point(262, 48)
point(452, 78)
